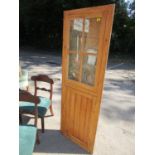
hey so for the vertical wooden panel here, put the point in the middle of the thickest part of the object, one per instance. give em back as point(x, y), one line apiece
point(75, 114)
point(82, 118)
point(65, 124)
point(72, 111)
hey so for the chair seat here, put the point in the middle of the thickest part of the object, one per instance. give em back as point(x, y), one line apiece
point(27, 138)
point(42, 106)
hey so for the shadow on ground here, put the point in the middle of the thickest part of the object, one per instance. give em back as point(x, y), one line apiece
point(119, 96)
point(53, 141)
point(115, 113)
point(37, 59)
point(127, 86)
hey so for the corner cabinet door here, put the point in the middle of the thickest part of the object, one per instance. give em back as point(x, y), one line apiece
point(86, 39)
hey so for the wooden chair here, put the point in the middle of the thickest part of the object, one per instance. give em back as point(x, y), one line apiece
point(28, 134)
point(45, 103)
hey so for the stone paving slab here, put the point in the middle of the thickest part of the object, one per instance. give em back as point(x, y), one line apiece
point(116, 129)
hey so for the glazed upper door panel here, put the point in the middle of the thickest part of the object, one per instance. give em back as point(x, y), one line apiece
point(83, 49)
point(86, 38)
point(83, 46)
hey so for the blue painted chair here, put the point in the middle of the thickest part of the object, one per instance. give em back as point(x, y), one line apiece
point(27, 138)
point(45, 103)
point(28, 134)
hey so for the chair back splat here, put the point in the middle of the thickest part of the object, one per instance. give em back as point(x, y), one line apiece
point(43, 78)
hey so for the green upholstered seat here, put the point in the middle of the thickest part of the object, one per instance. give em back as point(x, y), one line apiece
point(42, 106)
point(27, 139)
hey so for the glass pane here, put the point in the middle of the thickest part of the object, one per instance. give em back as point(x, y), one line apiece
point(91, 34)
point(88, 69)
point(74, 67)
point(76, 27)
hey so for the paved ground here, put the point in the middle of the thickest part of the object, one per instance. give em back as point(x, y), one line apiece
point(115, 133)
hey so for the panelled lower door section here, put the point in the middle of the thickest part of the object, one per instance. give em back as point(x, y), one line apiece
point(78, 112)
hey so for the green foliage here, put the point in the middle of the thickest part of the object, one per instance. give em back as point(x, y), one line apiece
point(41, 23)
point(123, 36)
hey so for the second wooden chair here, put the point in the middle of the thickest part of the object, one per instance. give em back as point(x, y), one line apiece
point(45, 103)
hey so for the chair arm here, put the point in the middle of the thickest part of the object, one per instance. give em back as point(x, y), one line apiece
point(26, 96)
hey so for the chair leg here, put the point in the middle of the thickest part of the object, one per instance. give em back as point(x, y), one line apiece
point(37, 138)
point(51, 110)
point(20, 119)
point(42, 124)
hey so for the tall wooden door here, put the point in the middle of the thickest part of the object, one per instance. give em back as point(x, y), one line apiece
point(86, 39)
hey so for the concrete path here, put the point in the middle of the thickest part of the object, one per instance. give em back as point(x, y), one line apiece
point(115, 133)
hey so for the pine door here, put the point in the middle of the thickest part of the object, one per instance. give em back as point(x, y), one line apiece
point(86, 39)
